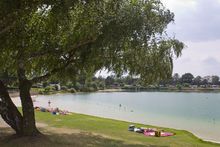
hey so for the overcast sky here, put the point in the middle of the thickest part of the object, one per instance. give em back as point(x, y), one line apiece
point(197, 24)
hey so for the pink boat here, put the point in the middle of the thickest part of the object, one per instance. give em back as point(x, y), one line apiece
point(152, 133)
point(146, 133)
point(165, 134)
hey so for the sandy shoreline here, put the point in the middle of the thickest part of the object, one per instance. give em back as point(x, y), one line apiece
point(111, 90)
point(201, 90)
point(16, 94)
point(2, 123)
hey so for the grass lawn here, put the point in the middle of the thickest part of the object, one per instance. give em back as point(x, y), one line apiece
point(95, 131)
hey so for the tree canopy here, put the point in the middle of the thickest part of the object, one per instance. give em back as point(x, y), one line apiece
point(44, 38)
point(71, 36)
point(187, 78)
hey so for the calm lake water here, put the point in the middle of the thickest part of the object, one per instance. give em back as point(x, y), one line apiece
point(198, 113)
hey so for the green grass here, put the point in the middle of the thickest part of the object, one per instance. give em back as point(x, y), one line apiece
point(117, 130)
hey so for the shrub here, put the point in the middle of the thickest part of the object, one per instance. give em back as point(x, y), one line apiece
point(57, 88)
point(64, 88)
point(72, 90)
point(179, 87)
point(69, 85)
point(41, 91)
point(186, 85)
point(101, 86)
point(77, 86)
point(49, 89)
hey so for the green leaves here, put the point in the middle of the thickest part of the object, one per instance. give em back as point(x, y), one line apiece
point(74, 36)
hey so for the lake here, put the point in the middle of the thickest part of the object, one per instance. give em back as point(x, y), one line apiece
point(198, 113)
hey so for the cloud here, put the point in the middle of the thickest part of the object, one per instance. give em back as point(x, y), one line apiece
point(211, 65)
point(200, 58)
point(211, 61)
point(197, 24)
point(195, 20)
point(177, 4)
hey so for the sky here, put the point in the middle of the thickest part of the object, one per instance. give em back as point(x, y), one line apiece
point(197, 24)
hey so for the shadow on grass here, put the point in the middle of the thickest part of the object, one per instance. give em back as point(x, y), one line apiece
point(7, 139)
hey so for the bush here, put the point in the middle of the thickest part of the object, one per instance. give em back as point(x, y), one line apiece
point(64, 88)
point(88, 89)
point(69, 85)
point(186, 85)
point(49, 89)
point(57, 88)
point(101, 86)
point(45, 84)
point(46, 90)
point(72, 90)
point(179, 87)
point(41, 91)
point(77, 86)
point(94, 86)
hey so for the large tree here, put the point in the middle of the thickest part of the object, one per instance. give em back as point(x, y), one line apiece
point(197, 80)
point(187, 78)
point(215, 80)
point(44, 38)
point(176, 78)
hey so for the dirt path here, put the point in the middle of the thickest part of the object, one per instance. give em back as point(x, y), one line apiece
point(2, 123)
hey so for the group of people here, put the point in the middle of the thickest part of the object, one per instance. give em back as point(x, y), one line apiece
point(150, 131)
point(54, 111)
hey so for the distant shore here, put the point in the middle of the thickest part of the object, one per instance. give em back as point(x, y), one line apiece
point(14, 94)
point(112, 90)
point(160, 90)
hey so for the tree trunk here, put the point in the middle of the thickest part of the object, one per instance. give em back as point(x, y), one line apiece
point(9, 111)
point(29, 125)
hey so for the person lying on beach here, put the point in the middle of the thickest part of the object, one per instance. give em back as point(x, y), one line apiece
point(54, 111)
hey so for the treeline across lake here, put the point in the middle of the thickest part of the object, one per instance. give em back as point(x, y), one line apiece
point(189, 79)
point(85, 83)
point(186, 81)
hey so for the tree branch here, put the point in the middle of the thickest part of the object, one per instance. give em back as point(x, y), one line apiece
point(7, 28)
point(9, 111)
point(44, 52)
point(50, 73)
point(69, 60)
point(76, 46)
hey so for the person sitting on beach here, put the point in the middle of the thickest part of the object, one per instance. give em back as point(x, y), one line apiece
point(49, 102)
point(56, 109)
